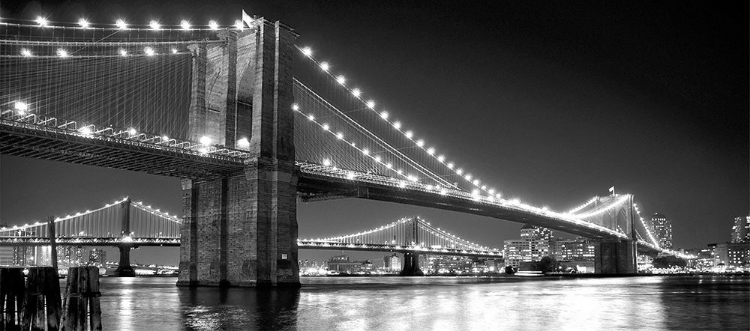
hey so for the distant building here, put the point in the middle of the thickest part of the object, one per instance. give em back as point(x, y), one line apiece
point(6, 256)
point(98, 257)
point(579, 249)
point(392, 263)
point(535, 243)
point(342, 264)
point(741, 229)
point(662, 230)
point(733, 254)
point(447, 264)
point(530, 232)
point(70, 256)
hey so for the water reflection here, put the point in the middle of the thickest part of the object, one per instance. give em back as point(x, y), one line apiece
point(432, 303)
point(239, 308)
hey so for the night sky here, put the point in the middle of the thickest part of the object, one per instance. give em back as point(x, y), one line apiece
point(550, 102)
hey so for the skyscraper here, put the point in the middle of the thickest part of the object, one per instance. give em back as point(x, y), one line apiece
point(741, 229)
point(662, 230)
point(534, 244)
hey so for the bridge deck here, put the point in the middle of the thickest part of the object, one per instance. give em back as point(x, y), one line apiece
point(60, 145)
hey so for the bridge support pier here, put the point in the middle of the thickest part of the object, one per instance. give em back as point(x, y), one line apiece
point(411, 265)
point(241, 230)
point(615, 257)
point(124, 269)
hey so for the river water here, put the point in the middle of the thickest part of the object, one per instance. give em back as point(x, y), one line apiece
point(434, 303)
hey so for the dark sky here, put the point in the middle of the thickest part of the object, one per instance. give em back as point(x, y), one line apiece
point(551, 102)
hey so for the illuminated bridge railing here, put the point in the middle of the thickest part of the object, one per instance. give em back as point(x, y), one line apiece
point(31, 241)
point(53, 125)
point(312, 244)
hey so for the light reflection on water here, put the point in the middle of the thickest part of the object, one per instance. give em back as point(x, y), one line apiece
point(433, 303)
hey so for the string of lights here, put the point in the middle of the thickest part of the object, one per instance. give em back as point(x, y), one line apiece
point(122, 24)
point(422, 225)
point(397, 125)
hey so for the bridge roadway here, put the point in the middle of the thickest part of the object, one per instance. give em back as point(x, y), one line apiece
point(88, 241)
point(35, 138)
point(302, 244)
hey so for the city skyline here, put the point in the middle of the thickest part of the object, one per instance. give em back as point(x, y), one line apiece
point(536, 111)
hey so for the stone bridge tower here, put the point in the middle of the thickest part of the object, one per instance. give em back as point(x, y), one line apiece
point(241, 230)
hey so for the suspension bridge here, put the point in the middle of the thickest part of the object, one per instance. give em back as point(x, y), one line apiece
point(250, 122)
point(129, 224)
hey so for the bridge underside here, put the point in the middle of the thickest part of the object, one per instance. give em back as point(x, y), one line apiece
point(312, 186)
point(59, 145)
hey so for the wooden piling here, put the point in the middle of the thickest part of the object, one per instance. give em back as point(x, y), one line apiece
point(11, 297)
point(82, 292)
point(41, 303)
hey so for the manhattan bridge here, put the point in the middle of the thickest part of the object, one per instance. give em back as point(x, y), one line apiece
point(251, 123)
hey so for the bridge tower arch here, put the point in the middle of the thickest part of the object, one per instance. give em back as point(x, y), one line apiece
point(241, 230)
point(411, 259)
point(618, 256)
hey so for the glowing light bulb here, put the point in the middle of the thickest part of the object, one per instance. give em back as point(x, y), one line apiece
point(371, 104)
point(326, 162)
point(459, 171)
point(21, 106)
point(431, 150)
point(83, 23)
point(468, 176)
point(164, 138)
point(174, 50)
point(213, 25)
point(149, 51)
point(41, 21)
point(185, 25)
point(397, 125)
point(450, 165)
point(326, 126)
point(62, 53)
point(243, 143)
point(25, 52)
point(295, 106)
point(441, 158)
point(378, 159)
point(324, 66)
point(205, 141)
point(85, 130)
point(121, 24)
point(409, 134)
point(356, 92)
point(389, 165)
point(123, 52)
point(384, 115)
point(132, 131)
point(311, 117)
point(341, 80)
point(420, 142)
point(366, 151)
point(307, 51)
point(154, 25)
point(239, 25)
point(340, 135)
point(476, 182)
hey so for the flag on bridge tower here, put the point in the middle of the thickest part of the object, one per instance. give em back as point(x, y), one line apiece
point(247, 19)
point(612, 190)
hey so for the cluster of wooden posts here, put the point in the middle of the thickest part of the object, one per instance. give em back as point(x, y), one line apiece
point(35, 303)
